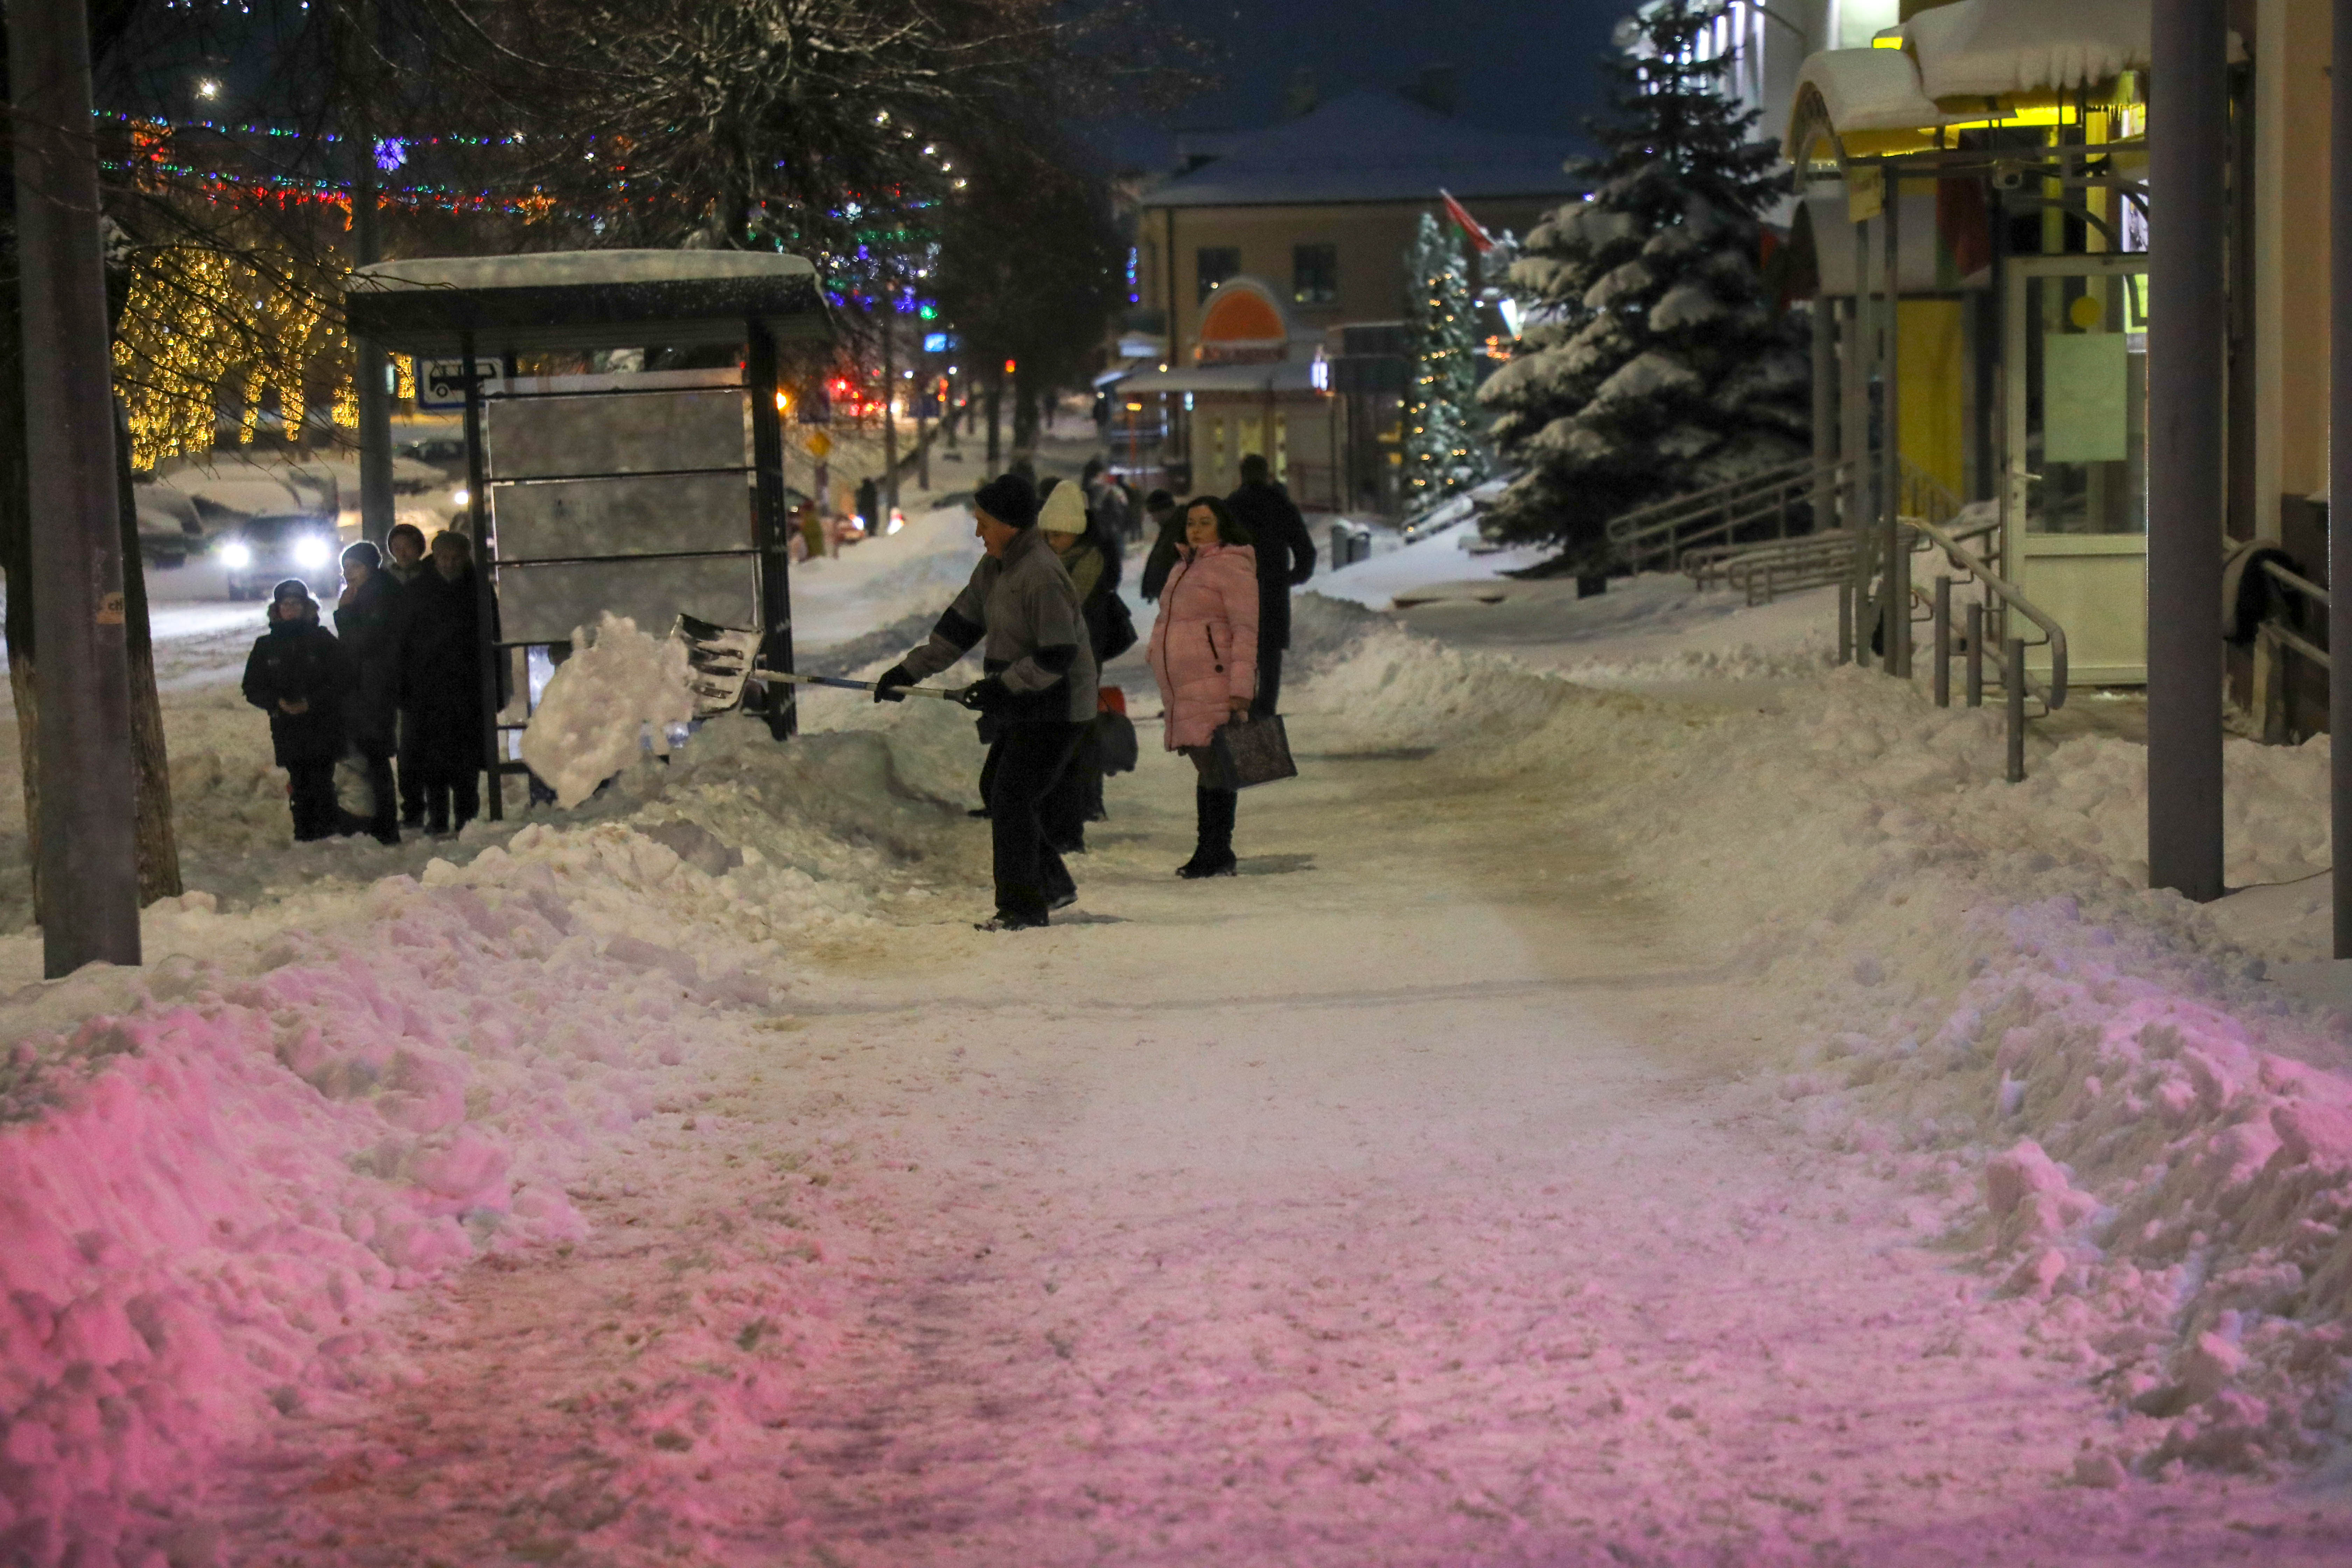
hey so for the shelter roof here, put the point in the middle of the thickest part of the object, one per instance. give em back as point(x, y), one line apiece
point(1373, 146)
point(584, 299)
point(1971, 50)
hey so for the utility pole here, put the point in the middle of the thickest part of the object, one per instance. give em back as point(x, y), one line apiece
point(88, 845)
point(357, 18)
point(881, 525)
point(2339, 476)
point(2187, 127)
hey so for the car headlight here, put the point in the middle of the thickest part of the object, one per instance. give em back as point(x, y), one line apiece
point(236, 556)
point(311, 552)
point(461, 497)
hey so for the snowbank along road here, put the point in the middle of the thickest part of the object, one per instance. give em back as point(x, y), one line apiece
point(1596, 1127)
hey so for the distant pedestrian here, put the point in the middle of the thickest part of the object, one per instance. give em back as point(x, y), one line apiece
point(869, 507)
point(404, 564)
point(1039, 689)
point(1285, 558)
point(1091, 558)
point(371, 622)
point(441, 686)
point(1167, 524)
point(297, 675)
point(1204, 654)
point(812, 532)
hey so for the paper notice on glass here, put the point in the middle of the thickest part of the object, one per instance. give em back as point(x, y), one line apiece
point(2085, 413)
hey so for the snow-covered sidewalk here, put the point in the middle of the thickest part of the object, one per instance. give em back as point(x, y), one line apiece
point(1625, 1124)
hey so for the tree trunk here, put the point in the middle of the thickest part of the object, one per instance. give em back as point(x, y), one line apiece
point(995, 423)
point(1025, 415)
point(158, 840)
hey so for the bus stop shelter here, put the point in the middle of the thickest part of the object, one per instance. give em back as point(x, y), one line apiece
point(649, 494)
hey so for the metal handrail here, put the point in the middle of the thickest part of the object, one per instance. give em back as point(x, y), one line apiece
point(1667, 527)
point(1816, 561)
point(2053, 693)
point(1623, 529)
point(2296, 583)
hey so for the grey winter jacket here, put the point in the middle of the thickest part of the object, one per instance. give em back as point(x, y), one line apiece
point(1023, 603)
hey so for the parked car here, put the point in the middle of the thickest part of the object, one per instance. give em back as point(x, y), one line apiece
point(169, 529)
point(256, 552)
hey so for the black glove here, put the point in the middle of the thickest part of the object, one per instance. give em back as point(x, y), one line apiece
point(988, 696)
point(895, 675)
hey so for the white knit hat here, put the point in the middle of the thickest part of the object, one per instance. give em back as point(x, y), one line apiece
point(1064, 510)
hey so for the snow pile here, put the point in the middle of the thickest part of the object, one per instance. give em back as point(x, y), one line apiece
point(882, 580)
point(618, 691)
point(220, 1173)
point(230, 1176)
point(1435, 564)
point(2146, 1151)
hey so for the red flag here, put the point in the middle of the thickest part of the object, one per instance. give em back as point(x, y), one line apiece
point(1480, 240)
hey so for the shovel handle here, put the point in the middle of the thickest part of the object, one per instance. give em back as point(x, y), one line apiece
point(846, 684)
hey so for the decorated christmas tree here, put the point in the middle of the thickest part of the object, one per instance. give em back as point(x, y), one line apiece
point(1441, 453)
point(1652, 365)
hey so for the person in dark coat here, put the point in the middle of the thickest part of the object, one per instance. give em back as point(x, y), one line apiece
point(1166, 537)
point(404, 563)
point(441, 685)
point(371, 622)
point(297, 675)
point(1285, 558)
point(1039, 688)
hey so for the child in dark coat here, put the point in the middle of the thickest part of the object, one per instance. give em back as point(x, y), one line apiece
point(297, 675)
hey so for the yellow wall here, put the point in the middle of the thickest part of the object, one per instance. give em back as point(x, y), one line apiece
point(2291, 129)
point(1932, 400)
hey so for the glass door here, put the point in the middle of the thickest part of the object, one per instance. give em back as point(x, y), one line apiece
point(2074, 509)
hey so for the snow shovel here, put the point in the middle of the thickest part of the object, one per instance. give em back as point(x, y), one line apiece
point(846, 684)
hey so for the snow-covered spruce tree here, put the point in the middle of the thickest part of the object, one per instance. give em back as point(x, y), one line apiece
point(1441, 454)
point(1652, 366)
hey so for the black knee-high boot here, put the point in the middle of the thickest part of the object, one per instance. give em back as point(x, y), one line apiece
point(1213, 856)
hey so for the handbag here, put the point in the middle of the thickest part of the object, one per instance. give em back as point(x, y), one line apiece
point(1252, 751)
point(1119, 628)
point(1115, 744)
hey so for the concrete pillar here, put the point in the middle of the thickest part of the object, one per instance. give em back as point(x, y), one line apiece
point(2188, 124)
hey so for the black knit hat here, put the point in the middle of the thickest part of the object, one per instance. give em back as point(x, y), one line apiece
point(292, 588)
point(366, 554)
point(1010, 499)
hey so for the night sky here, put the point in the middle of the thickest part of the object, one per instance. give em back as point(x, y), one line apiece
point(1523, 64)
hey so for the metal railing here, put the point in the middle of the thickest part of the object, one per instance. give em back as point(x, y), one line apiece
point(1765, 570)
point(2281, 630)
point(1664, 531)
point(2017, 683)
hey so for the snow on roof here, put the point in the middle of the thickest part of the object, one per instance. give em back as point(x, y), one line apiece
point(1992, 47)
point(1869, 90)
point(1373, 146)
point(572, 268)
point(1975, 48)
point(1285, 375)
point(583, 298)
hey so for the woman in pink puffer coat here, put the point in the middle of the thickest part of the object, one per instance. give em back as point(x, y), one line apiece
point(1204, 655)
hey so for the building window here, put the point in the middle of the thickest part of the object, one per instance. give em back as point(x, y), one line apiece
point(1314, 274)
point(1217, 263)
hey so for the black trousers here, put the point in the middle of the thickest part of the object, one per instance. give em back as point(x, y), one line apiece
point(462, 791)
point(1032, 802)
point(386, 820)
point(310, 791)
point(412, 772)
point(1269, 682)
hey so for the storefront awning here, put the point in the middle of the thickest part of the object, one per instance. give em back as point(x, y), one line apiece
point(1285, 375)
